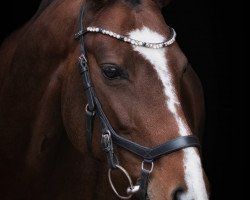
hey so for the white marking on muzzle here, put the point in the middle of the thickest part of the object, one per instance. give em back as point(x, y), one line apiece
point(192, 164)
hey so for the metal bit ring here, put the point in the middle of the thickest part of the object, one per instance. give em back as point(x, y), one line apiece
point(129, 180)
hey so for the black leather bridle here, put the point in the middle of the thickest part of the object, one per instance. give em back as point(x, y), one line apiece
point(109, 135)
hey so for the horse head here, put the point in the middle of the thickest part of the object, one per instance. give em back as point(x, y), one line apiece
point(147, 91)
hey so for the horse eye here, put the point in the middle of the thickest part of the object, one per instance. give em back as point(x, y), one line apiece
point(112, 72)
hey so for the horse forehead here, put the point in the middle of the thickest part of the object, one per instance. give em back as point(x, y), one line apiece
point(157, 57)
point(159, 61)
point(145, 34)
point(120, 16)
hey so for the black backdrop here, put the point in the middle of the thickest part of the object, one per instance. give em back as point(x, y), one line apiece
point(212, 35)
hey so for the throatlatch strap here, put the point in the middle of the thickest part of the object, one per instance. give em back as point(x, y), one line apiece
point(90, 107)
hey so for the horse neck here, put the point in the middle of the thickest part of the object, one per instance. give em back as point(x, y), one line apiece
point(36, 70)
point(32, 62)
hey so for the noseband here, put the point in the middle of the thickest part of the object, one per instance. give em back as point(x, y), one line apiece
point(109, 135)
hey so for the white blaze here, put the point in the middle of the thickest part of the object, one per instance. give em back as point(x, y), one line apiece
point(192, 164)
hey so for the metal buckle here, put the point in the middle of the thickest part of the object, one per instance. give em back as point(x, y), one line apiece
point(82, 57)
point(91, 113)
point(107, 141)
point(147, 170)
point(130, 188)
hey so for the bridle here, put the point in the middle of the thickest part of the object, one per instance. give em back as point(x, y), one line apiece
point(109, 135)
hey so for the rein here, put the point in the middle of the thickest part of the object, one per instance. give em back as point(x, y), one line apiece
point(109, 135)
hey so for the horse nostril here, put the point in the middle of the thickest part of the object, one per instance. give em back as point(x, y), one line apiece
point(176, 194)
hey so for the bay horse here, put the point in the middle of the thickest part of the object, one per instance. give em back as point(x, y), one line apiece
point(122, 128)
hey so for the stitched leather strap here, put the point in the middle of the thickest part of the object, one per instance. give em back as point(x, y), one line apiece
point(142, 194)
point(145, 152)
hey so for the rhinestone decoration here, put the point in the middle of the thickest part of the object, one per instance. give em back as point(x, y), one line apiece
point(133, 41)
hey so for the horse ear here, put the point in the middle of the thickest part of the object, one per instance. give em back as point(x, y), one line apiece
point(163, 3)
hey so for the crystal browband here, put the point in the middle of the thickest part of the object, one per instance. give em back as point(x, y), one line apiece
point(130, 40)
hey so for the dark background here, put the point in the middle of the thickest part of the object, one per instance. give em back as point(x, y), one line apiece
point(212, 35)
